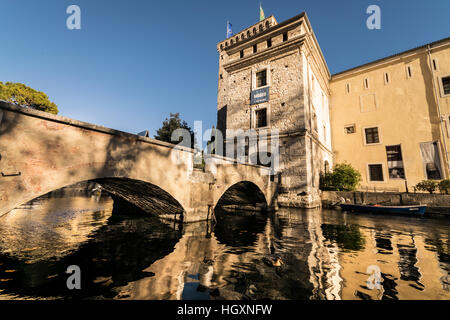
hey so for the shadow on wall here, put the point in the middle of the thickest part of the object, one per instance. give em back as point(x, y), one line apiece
point(145, 196)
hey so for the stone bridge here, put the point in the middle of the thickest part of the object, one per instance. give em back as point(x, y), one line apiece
point(41, 152)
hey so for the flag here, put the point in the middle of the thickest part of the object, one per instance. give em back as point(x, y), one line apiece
point(229, 32)
point(261, 13)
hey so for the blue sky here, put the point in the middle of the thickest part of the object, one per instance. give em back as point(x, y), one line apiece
point(133, 62)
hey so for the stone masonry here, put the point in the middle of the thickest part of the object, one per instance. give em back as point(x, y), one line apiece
point(296, 78)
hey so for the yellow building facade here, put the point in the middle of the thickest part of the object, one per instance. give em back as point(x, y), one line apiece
point(390, 119)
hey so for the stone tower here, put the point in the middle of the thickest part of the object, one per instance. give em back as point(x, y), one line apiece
point(274, 76)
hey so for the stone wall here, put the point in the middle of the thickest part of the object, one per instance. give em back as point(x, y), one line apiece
point(437, 203)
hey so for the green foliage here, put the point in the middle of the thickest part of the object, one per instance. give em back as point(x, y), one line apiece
point(444, 186)
point(347, 237)
point(427, 185)
point(170, 125)
point(20, 94)
point(343, 178)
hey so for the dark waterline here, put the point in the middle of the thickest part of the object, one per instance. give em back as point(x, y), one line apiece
point(324, 254)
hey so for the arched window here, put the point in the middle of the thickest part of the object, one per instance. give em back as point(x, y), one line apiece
point(237, 38)
point(261, 28)
point(226, 44)
point(254, 31)
point(267, 25)
point(326, 166)
point(231, 42)
point(221, 47)
point(242, 36)
point(248, 34)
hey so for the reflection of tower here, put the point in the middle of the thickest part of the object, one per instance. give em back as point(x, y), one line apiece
point(408, 261)
point(323, 262)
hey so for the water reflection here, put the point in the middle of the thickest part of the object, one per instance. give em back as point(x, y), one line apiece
point(324, 254)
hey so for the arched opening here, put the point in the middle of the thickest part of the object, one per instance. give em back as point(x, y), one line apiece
point(248, 34)
point(75, 225)
point(242, 196)
point(326, 166)
point(237, 224)
point(143, 195)
point(267, 24)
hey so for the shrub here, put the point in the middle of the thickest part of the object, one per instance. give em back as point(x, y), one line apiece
point(343, 178)
point(444, 186)
point(427, 185)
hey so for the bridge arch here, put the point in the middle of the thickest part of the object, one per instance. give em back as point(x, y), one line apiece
point(144, 195)
point(244, 195)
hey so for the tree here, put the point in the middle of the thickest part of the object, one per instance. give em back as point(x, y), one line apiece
point(444, 186)
point(343, 178)
point(170, 125)
point(22, 95)
point(427, 185)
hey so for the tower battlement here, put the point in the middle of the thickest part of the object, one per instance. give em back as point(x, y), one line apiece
point(248, 33)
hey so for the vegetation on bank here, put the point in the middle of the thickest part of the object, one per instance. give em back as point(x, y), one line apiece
point(432, 185)
point(343, 178)
point(22, 95)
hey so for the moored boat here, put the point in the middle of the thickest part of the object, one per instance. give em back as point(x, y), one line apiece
point(415, 209)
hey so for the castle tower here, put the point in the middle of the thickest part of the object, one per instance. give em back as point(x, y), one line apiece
point(273, 76)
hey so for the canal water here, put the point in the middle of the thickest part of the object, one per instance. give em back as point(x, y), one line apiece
point(290, 254)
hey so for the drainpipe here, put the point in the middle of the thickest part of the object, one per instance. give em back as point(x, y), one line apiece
point(430, 65)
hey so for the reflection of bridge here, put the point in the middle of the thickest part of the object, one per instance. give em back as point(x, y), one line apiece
point(41, 152)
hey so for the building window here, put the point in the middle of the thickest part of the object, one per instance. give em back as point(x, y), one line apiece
point(386, 78)
point(325, 133)
point(371, 135)
point(366, 83)
point(261, 78)
point(349, 129)
point(269, 43)
point(446, 85)
point(261, 118)
point(376, 173)
point(255, 48)
point(241, 54)
point(448, 127)
point(408, 72)
point(285, 36)
point(326, 166)
point(435, 65)
point(395, 162)
point(347, 87)
point(431, 160)
point(314, 122)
